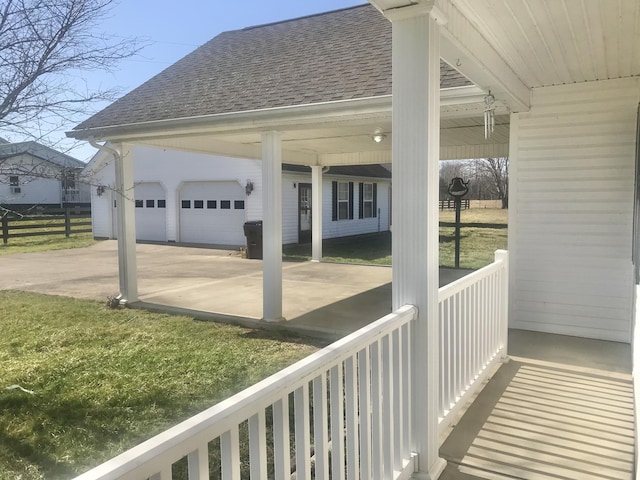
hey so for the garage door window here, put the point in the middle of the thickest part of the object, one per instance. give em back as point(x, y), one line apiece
point(186, 203)
point(162, 204)
point(151, 204)
point(198, 204)
point(225, 204)
point(139, 204)
point(212, 204)
point(238, 204)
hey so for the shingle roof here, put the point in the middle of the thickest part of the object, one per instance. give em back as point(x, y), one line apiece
point(339, 55)
point(369, 171)
point(39, 151)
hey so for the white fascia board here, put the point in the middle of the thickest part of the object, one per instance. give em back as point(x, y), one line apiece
point(355, 158)
point(279, 119)
point(465, 48)
point(384, 5)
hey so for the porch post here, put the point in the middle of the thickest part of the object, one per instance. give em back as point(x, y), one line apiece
point(415, 154)
point(316, 213)
point(271, 227)
point(125, 207)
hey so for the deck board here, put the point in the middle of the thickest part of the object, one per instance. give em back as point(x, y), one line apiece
point(537, 420)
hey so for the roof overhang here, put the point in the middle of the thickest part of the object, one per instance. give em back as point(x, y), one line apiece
point(333, 133)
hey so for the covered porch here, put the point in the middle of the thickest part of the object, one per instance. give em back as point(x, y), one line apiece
point(554, 407)
point(376, 403)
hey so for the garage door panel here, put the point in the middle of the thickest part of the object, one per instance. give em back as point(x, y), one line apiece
point(212, 213)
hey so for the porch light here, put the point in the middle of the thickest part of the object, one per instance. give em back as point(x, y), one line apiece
point(248, 188)
point(489, 115)
point(378, 136)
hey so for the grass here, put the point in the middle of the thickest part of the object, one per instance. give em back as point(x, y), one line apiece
point(104, 380)
point(45, 242)
point(477, 246)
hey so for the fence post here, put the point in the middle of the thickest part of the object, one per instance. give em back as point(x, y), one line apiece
point(503, 257)
point(67, 222)
point(5, 229)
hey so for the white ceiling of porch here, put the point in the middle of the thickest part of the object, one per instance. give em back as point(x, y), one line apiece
point(552, 42)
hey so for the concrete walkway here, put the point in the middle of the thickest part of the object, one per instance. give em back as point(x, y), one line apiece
point(324, 299)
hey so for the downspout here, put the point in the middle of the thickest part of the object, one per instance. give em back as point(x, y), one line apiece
point(104, 148)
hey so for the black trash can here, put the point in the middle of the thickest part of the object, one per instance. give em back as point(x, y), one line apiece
point(253, 232)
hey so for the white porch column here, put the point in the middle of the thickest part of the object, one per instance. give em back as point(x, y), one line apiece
point(271, 227)
point(415, 154)
point(125, 207)
point(316, 213)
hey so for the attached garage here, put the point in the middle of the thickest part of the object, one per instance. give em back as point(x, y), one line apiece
point(212, 213)
point(151, 218)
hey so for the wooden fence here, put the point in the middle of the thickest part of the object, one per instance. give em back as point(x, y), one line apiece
point(52, 222)
point(450, 204)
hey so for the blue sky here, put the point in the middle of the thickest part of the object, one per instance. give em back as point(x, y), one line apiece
point(173, 29)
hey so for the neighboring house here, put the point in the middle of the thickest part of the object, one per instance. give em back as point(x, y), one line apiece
point(196, 198)
point(565, 77)
point(34, 174)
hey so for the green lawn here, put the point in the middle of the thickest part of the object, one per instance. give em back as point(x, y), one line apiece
point(104, 380)
point(41, 243)
point(477, 246)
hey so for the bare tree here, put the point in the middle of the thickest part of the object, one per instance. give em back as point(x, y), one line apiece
point(497, 170)
point(44, 47)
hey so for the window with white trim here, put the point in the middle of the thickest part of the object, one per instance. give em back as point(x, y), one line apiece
point(367, 200)
point(343, 201)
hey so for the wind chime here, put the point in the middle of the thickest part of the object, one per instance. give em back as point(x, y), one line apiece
point(489, 115)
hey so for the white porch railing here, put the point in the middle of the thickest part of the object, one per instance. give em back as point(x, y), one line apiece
point(345, 411)
point(349, 417)
point(473, 333)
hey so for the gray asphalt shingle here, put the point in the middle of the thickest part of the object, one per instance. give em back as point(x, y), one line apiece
point(339, 55)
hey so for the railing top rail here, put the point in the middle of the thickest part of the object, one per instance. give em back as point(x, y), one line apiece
point(219, 418)
point(455, 287)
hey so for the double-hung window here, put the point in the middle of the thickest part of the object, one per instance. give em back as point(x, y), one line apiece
point(368, 200)
point(342, 202)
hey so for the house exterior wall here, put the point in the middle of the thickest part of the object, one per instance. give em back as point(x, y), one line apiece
point(571, 210)
point(34, 189)
point(173, 170)
point(333, 228)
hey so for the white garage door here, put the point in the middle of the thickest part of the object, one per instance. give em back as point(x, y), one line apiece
point(151, 218)
point(212, 213)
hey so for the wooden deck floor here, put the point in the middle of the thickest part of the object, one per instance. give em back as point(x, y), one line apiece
point(542, 420)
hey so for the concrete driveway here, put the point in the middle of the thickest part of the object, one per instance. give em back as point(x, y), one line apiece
point(321, 298)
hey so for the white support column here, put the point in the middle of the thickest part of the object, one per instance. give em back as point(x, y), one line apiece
point(316, 213)
point(415, 153)
point(125, 206)
point(272, 227)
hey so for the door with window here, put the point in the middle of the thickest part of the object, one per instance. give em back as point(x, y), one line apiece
point(304, 212)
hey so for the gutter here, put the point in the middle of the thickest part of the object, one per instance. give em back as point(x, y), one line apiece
point(276, 118)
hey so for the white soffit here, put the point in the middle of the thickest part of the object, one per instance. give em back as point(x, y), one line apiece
point(558, 42)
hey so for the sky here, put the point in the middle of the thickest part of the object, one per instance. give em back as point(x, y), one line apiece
point(172, 29)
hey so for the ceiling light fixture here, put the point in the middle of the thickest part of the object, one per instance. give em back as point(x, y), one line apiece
point(378, 135)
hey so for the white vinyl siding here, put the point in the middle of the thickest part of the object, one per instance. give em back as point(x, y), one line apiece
point(570, 224)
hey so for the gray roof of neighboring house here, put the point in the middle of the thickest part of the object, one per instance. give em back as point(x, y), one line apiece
point(9, 150)
point(339, 55)
point(367, 171)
